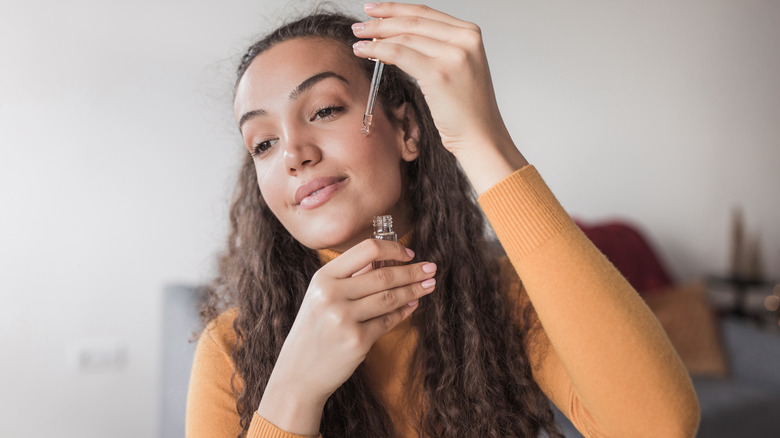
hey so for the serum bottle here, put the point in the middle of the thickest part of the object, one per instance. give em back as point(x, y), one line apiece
point(383, 230)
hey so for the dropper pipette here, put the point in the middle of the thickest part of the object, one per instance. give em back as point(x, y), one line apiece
point(372, 92)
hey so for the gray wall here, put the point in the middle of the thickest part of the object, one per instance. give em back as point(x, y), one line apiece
point(118, 154)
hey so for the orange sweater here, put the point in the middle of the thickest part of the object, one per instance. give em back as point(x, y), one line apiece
point(602, 357)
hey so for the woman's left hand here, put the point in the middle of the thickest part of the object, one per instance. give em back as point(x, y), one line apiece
point(447, 58)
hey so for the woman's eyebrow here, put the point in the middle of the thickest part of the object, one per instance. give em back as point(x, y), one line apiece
point(250, 115)
point(310, 82)
point(294, 94)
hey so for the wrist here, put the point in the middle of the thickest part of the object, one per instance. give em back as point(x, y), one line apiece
point(291, 410)
point(490, 162)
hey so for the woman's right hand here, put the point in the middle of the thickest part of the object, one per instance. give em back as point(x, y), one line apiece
point(347, 307)
point(446, 56)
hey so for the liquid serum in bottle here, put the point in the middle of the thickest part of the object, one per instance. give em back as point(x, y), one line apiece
point(383, 230)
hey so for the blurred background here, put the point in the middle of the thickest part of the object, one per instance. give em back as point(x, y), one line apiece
point(119, 152)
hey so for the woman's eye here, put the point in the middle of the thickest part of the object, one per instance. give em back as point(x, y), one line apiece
point(263, 146)
point(326, 113)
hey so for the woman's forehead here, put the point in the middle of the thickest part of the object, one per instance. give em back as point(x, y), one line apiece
point(301, 57)
point(281, 68)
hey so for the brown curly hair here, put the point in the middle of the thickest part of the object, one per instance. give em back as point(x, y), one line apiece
point(470, 359)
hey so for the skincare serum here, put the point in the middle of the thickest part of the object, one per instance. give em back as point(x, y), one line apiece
point(383, 230)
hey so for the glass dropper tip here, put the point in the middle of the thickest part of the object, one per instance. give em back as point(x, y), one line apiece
point(366, 124)
point(372, 94)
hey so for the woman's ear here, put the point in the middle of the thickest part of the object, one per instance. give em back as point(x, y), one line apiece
point(406, 116)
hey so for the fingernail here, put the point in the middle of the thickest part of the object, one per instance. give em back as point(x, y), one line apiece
point(369, 6)
point(413, 303)
point(429, 268)
point(358, 46)
point(429, 283)
point(409, 252)
point(357, 27)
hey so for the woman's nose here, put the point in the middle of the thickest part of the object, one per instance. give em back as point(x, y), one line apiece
point(300, 151)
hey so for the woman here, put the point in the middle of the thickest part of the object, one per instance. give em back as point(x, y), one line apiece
point(304, 338)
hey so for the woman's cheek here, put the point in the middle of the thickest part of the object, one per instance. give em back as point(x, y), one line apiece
point(268, 189)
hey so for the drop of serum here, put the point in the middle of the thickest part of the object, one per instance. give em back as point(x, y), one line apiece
point(383, 230)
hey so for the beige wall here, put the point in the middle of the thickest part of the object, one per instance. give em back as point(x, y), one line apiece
point(118, 151)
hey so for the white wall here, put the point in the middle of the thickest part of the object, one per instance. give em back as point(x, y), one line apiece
point(666, 113)
point(118, 152)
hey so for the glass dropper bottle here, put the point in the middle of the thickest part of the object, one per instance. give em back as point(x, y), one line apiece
point(383, 230)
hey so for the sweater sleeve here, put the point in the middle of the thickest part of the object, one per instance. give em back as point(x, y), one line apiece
point(211, 400)
point(601, 356)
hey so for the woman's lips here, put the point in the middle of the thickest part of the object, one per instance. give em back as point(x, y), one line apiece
point(317, 191)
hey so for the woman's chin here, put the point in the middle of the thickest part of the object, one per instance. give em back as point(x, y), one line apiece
point(338, 240)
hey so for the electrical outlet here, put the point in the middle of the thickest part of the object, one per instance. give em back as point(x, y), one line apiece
point(98, 354)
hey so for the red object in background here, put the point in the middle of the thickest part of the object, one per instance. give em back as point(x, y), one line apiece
point(630, 252)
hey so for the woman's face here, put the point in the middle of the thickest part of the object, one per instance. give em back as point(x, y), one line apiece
point(300, 106)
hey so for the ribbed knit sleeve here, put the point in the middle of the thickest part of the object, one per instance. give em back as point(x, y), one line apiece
point(523, 212)
point(601, 357)
point(262, 428)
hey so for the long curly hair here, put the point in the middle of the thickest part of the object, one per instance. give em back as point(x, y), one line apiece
point(474, 373)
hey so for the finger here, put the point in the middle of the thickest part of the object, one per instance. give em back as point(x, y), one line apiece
point(404, 57)
point(365, 269)
point(406, 49)
point(412, 26)
point(388, 278)
point(415, 63)
point(390, 9)
point(376, 327)
point(380, 303)
point(356, 258)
